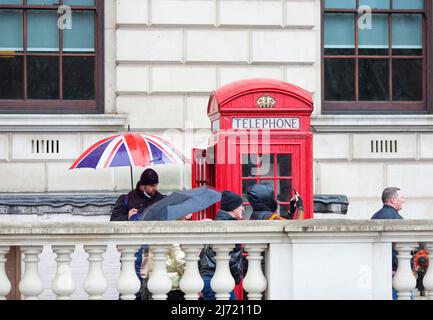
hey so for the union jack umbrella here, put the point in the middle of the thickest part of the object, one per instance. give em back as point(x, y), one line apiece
point(127, 150)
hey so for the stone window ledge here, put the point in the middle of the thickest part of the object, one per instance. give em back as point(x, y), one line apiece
point(62, 123)
point(372, 123)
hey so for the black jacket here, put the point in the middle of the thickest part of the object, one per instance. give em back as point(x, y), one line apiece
point(262, 199)
point(387, 212)
point(207, 262)
point(134, 199)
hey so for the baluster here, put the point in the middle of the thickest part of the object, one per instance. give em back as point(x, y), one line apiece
point(255, 281)
point(159, 284)
point(222, 282)
point(95, 283)
point(5, 284)
point(63, 284)
point(191, 283)
point(31, 285)
point(404, 280)
point(428, 278)
point(128, 283)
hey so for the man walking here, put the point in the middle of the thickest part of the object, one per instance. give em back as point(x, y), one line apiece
point(392, 203)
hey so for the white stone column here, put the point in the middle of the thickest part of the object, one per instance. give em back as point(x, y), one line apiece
point(255, 281)
point(428, 277)
point(128, 283)
point(191, 283)
point(5, 284)
point(31, 285)
point(63, 285)
point(159, 284)
point(404, 280)
point(222, 282)
point(95, 283)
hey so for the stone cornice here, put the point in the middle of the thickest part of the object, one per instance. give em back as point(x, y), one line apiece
point(61, 122)
point(372, 123)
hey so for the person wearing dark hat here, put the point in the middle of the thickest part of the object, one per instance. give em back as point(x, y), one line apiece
point(130, 206)
point(231, 209)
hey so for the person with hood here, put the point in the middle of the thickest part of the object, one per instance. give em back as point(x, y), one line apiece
point(232, 209)
point(262, 199)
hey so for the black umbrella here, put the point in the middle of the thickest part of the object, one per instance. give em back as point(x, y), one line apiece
point(180, 203)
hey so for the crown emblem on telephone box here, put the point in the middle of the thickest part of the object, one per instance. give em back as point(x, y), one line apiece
point(266, 102)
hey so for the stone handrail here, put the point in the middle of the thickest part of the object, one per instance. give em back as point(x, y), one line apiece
point(294, 250)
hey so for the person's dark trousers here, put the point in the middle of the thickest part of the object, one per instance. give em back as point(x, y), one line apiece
point(208, 293)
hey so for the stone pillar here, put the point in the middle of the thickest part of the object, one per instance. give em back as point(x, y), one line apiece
point(255, 281)
point(222, 282)
point(63, 284)
point(128, 283)
point(31, 285)
point(191, 283)
point(159, 284)
point(5, 284)
point(404, 280)
point(95, 283)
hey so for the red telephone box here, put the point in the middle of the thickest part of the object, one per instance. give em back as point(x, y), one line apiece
point(260, 134)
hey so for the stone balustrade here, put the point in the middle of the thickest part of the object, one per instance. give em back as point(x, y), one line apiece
point(316, 259)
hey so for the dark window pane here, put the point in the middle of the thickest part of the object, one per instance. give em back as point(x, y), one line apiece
point(249, 165)
point(266, 165)
point(339, 79)
point(78, 78)
point(11, 78)
point(373, 80)
point(283, 210)
point(407, 80)
point(284, 162)
point(246, 185)
point(284, 188)
point(43, 78)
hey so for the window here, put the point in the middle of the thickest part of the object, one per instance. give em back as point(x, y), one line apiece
point(275, 169)
point(51, 56)
point(375, 56)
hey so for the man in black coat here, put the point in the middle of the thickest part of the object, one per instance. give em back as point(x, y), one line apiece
point(231, 210)
point(130, 206)
point(392, 203)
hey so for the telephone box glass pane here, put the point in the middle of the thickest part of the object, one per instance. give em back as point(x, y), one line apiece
point(246, 184)
point(284, 189)
point(249, 165)
point(266, 165)
point(283, 210)
point(284, 163)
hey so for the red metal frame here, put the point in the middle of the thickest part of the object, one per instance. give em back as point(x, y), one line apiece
point(238, 100)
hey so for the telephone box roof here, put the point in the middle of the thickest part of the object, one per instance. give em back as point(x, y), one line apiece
point(233, 90)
